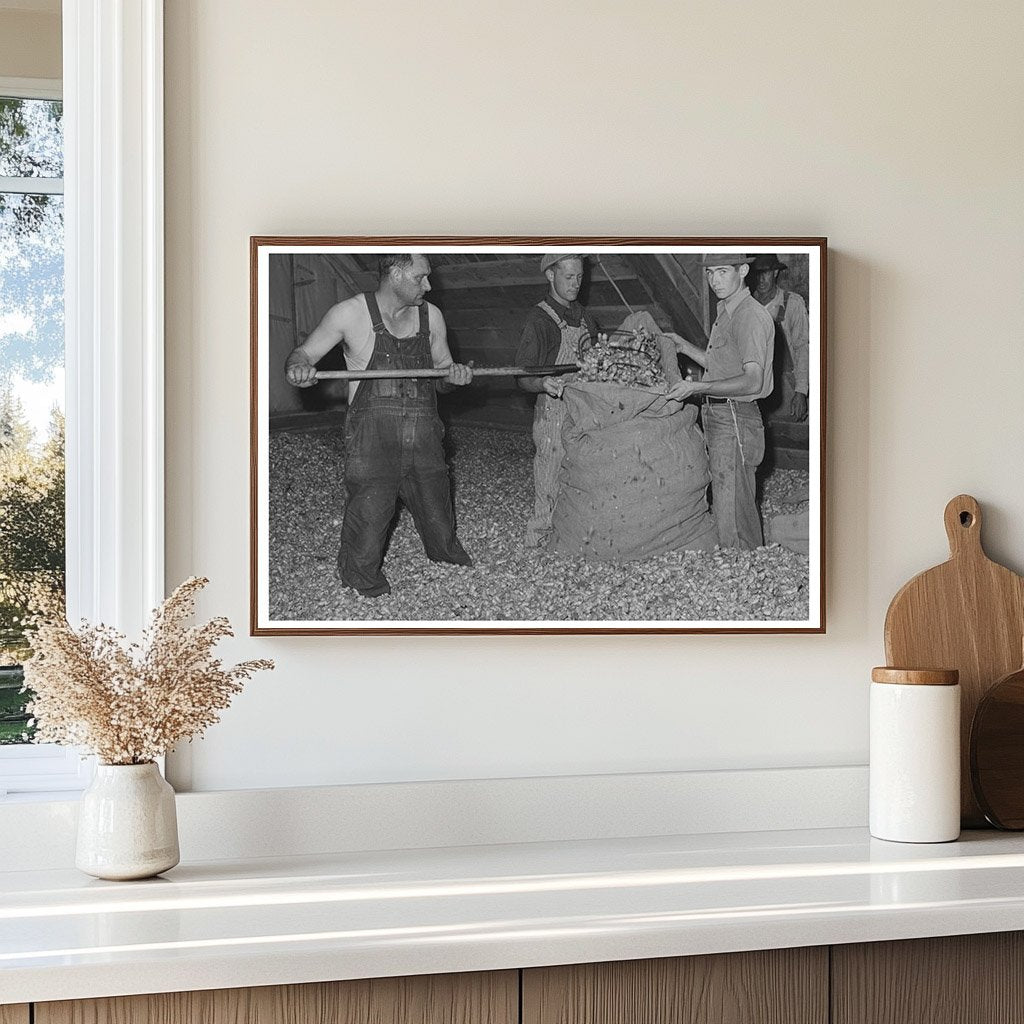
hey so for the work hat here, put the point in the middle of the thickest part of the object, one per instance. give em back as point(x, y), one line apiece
point(549, 259)
point(726, 259)
point(768, 261)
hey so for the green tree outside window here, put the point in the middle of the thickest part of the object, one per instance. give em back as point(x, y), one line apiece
point(32, 544)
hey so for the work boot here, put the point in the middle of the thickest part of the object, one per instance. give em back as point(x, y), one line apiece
point(379, 591)
point(375, 589)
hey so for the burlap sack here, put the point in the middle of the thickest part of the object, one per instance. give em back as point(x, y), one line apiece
point(634, 477)
point(792, 531)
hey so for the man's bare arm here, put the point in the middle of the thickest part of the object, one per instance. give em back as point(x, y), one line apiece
point(337, 323)
point(441, 355)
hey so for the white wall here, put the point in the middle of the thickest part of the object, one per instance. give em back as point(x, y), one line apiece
point(894, 129)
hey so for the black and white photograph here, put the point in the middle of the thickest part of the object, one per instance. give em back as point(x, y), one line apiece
point(549, 435)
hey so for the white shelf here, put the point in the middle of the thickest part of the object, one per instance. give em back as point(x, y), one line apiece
point(386, 913)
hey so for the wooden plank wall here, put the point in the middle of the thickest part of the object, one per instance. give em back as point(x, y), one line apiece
point(316, 282)
point(283, 397)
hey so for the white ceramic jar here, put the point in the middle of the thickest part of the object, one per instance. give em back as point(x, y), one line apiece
point(915, 755)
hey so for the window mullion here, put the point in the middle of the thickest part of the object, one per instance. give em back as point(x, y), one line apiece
point(32, 186)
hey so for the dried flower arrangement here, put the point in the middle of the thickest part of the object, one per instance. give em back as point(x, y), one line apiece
point(129, 704)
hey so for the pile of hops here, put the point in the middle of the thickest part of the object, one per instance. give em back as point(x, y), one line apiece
point(632, 360)
point(508, 582)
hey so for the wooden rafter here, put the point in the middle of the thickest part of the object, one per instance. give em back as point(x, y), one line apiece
point(513, 271)
point(351, 273)
point(672, 289)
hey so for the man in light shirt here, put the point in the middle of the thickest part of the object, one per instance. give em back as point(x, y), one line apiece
point(737, 374)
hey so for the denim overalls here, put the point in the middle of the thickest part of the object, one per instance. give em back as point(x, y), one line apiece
point(393, 450)
point(548, 417)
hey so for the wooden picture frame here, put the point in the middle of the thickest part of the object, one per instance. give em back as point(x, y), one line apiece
point(609, 562)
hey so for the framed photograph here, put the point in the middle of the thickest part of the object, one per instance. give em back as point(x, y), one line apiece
point(537, 435)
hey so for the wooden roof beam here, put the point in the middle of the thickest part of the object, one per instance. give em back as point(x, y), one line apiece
point(351, 273)
point(517, 270)
point(671, 288)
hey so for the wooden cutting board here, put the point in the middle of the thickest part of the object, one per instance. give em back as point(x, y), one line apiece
point(967, 614)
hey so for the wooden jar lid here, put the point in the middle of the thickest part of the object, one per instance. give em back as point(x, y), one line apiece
point(916, 676)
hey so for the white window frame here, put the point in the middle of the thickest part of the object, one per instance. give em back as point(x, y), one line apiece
point(32, 89)
point(114, 334)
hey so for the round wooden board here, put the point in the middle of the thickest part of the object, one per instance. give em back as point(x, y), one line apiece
point(967, 614)
point(997, 752)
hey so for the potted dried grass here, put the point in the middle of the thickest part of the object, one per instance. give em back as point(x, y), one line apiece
point(128, 704)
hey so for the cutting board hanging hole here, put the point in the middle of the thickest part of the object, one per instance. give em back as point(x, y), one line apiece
point(963, 526)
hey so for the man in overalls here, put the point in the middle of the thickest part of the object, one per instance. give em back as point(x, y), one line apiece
point(556, 330)
point(738, 372)
point(792, 337)
point(392, 431)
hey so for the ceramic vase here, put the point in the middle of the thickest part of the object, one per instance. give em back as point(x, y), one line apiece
point(127, 825)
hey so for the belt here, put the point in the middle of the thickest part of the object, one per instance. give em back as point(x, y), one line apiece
point(716, 401)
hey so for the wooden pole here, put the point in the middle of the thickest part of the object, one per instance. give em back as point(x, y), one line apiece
point(612, 282)
point(433, 371)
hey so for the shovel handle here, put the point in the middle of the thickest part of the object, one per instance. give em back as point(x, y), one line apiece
point(433, 371)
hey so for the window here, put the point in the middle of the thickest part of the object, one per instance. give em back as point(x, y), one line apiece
point(32, 535)
point(31, 406)
point(31, 378)
point(113, 310)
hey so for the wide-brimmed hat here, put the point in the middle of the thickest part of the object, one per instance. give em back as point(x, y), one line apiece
point(549, 259)
point(726, 259)
point(768, 261)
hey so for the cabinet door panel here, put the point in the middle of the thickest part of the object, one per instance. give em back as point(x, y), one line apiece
point(483, 998)
point(778, 986)
point(959, 979)
point(14, 1014)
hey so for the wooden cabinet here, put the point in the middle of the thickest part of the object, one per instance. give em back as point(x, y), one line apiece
point(962, 979)
point(967, 979)
point(777, 986)
point(491, 998)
